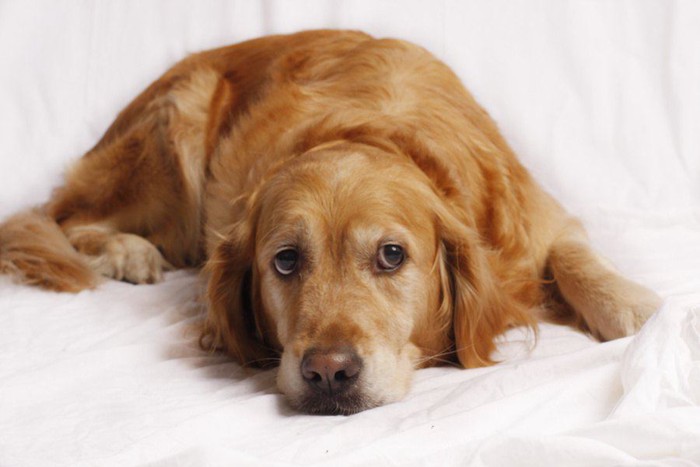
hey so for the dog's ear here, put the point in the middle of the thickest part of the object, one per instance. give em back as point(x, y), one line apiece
point(233, 323)
point(482, 308)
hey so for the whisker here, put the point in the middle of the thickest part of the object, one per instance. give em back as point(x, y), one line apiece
point(451, 352)
point(436, 356)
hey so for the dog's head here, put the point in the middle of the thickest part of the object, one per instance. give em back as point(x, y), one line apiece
point(354, 268)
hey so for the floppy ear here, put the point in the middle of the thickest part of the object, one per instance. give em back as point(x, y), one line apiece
point(232, 324)
point(482, 307)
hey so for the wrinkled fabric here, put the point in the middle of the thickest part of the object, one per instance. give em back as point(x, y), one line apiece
point(600, 100)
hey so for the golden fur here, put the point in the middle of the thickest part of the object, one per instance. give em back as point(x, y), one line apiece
point(335, 144)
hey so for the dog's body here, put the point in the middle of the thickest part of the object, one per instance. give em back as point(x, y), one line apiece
point(356, 212)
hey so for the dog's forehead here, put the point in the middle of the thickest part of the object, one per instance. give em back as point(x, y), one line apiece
point(347, 188)
point(343, 168)
point(343, 196)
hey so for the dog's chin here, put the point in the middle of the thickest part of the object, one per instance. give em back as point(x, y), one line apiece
point(346, 403)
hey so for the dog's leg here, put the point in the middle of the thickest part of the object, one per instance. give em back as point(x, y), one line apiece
point(132, 205)
point(609, 305)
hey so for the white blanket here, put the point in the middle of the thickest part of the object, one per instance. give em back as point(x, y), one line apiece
point(601, 100)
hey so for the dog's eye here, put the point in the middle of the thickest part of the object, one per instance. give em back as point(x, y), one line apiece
point(286, 261)
point(390, 257)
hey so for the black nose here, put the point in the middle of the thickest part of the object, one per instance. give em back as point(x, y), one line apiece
point(331, 371)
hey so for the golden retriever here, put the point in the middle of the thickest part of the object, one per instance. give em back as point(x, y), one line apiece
point(356, 213)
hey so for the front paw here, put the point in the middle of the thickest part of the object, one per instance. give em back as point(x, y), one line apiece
point(626, 311)
point(132, 259)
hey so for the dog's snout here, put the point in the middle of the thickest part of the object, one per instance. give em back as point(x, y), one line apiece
point(331, 371)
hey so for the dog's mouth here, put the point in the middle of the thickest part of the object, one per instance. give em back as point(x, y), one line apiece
point(338, 380)
point(323, 403)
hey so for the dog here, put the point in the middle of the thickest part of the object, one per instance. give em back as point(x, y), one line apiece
point(355, 213)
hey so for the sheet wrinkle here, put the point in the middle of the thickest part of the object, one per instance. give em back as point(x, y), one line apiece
point(658, 364)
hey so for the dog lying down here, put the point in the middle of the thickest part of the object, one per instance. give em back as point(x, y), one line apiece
point(355, 212)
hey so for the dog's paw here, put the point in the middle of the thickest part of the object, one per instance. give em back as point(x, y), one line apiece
point(626, 312)
point(130, 258)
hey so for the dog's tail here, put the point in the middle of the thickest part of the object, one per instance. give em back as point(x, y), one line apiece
point(34, 250)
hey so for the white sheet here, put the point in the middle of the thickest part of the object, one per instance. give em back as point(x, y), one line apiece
point(601, 101)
